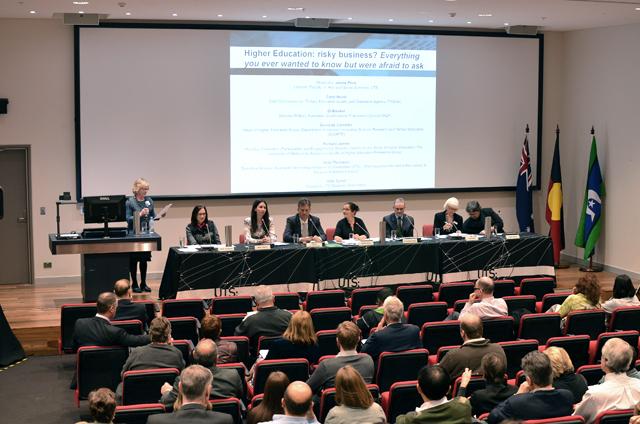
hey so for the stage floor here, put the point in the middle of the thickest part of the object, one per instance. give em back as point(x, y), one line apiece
point(33, 311)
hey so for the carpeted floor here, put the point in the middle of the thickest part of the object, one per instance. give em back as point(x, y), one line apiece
point(37, 391)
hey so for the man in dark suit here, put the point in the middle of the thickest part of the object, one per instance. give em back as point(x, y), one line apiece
point(477, 214)
point(392, 335)
point(398, 221)
point(306, 226)
point(126, 308)
point(195, 388)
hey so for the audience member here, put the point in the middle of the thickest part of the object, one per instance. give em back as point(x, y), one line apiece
point(268, 320)
point(102, 406)
point(482, 303)
point(564, 376)
point(619, 391)
point(210, 328)
point(298, 341)
point(297, 404)
point(194, 386)
point(536, 397)
point(271, 404)
point(372, 318)
point(348, 338)
point(586, 295)
point(493, 368)
point(159, 354)
point(433, 384)
point(354, 401)
point(473, 348)
point(126, 308)
point(624, 294)
point(226, 381)
point(391, 334)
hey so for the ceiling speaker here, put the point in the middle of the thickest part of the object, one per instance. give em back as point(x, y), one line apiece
point(312, 22)
point(81, 19)
point(522, 30)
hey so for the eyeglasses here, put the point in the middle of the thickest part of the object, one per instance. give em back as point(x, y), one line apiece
point(476, 288)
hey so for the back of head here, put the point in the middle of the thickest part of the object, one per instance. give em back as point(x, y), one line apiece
point(393, 309)
point(300, 329)
point(383, 294)
point(471, 324)
point(102, 405)
point(560, 361)
point(348, 335)
point(194, 381)
point(537, 366)
point(210, 327)
point(434, 382)
point(263, 295)
point(297, 399)
point(617, 355)
point(623, 287)
point(274, 388)
point(486, 285)
point(589, 286)
point(121, 288)
point(473, 206)
point(106, 301)
point(206, 353)
point(160, 330)
point(493, 368)
point(351, 390)
point(353, 207)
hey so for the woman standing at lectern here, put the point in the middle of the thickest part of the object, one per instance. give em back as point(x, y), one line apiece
point(142, 203)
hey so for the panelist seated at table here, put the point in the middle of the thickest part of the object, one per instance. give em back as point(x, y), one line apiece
point(448, 221)
point(201, 230)
point(398, 221)
point(259, 228)
point(306, 226)
point(350, 224)
point(477, 214)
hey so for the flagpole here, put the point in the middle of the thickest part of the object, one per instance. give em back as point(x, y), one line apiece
point(591, 267)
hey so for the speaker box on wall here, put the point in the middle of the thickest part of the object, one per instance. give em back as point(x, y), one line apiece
point(3, 105)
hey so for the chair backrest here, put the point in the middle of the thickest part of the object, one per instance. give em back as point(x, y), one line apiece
point(185, 328)
point(537, 286)
point(476, 382)
point(143, 386)
point(591, 373)
point(295, 368)
point(618, 416)
point(414, 294)
point(242, 238)
point(499, 329)
point(99, 366)
point(550, 299)
point(231, 406)
point(185, 347)
point(256, 400)
point(330, 232)
point(569, 419)
point(527, 302)
point(520, 378)
point(450, 292)
point(515, 351)
point(434, 335)
point(230, 322)
point(328, 399)
point(324, 299)
point(629, 336)
point(329, 318)
point(502, 288)
point(399, 366)
point(264, 342)
point(363, 296)
point(172, 308)
point(150, 307)
point(541, 327)
point(460, 304)
point(242, 372)
point(419, 313)
point(69, 314)
point(427, 230)
point(327, 343)
point(402, 397)
point(625, 318)
point(576, 346)
point(231, 304)
point(137, 414)
point(287, 300)
point(590, 322)
point(442, 351)
point(131, 326)
point(243, 344)
point(366, 308)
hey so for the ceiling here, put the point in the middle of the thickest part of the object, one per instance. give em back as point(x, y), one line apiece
point(549, 15)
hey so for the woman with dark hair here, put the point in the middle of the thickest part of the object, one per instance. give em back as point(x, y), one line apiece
point(355, 403)
point(586, 295)
point(102, 406)
point(624, 294)
point(298, 341)
point(350, 224)
point(271, 404)
point(493, 367)
point(259, 228)
point(201, 230)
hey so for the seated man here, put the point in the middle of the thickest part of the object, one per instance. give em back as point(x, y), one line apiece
point(210, 328)
point(398, 221)
point(619, 391)
point(475, 223)
point(473, 348)
point(297, 404)
point(482, 303)
point(226, 381)
point(126, 308)
point(536, 398)
point(372, 318)
point(306, 226)
point(347, 339)
point(269, 320)
point(102, 406)
point(433, 385)
point(392, 335)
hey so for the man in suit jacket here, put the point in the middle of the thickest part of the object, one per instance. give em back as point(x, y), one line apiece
point(305, 225)
point(195, 388)
point(404, 225)
point(475, 223)
point(126, 308)
point(392, 335)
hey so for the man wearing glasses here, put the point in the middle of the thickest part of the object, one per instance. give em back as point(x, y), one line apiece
point(482, 303)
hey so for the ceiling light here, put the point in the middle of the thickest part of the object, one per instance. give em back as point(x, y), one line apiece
point(295, 9)
point(264, 16)
point(80, 12)
point(33, 12)
point(390, 19)
point(450, 0)
point(307, 17)
point(468, 22)
point(80, 2)
point(430, 21)
point(485, 15)
point(637, 8)
point(220, 15)
point(174, 14)
point(348, 19)
point(506, 24)
point(128, 13)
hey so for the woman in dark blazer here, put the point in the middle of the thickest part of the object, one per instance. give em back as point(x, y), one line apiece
point(448, 221)
point(201, 230)
point(350, 224)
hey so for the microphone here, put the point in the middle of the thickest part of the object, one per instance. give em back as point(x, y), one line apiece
point(266, 229)
point(314, 226)
point(366, 233)
point(209, 232)
point(413, 225)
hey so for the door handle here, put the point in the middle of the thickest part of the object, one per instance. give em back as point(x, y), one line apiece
point(23, 219)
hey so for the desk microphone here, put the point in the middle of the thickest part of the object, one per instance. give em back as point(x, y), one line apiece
point(366, 233)
point(209, 232)
point(314, 226)
point(266, 229)
point(413, 225)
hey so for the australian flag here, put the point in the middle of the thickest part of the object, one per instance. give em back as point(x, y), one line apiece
point(524, 202)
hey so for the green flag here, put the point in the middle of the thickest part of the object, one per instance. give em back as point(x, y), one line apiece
point(591, 218)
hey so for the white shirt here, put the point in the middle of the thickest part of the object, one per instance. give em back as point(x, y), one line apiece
point(103, 317)
point(614, 303)
point(619, 391)
point(431, 404)
point(488, 307)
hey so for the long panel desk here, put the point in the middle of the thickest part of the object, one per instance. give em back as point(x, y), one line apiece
point(206, 269)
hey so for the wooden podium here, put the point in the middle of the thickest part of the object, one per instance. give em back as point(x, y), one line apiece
point(103, 260)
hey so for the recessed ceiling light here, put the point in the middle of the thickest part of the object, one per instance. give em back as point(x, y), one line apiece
point(80, 12)
point(174, 14)
point(80, 2)
point(451, 0)
point(349, 18)
point(264, 16)
point(33, 12)
point(430, 21)
point(390, 19)
point(637, 8)
point(468, 22)
point(485, 15)
point(506, 24)
point(128, 13)
point(220, 15)
point(295, 9)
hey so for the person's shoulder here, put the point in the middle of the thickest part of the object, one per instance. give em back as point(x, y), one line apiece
point(247, 220)
point(219, 417)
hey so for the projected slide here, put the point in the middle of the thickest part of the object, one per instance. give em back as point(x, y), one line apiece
point(331, 112)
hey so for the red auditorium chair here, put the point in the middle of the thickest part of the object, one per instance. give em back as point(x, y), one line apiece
point(330, 232)
point(538, 286)
point(287, 300)
point(398, 366)
point(541, 327)
point(324, 299)
point(137, 414)
point(363, 296)
point(131, 326)
point(297, 369)
point(434, 335)
point(569, 419)
point(459, 305)
point(173, 308)
point(150, 307)
point(576, 346)
point(231, 304)
point(618, 416)
point(414, 294)
point(264, 342)
point(231, 406)
point(477, 382)
point(527, 302)
point(591, 373)
point(419, 313)
point(98, 366)
point(243, 344)
point(590, 322)
point(401, 398)
point(515, 351)
point(185, 347)
point(242, 372)
point(450, 292)
point(502, 288)
point(427, 230)
point(230, 322)
point(625, 318)
point(499, 329)
point(185, 328)
point(595, 348)
point(442, 351)
point(69, 314)
point(328, 400)
point(550, 299)
point(329, 318)
point(327, 343)
point(143, 386)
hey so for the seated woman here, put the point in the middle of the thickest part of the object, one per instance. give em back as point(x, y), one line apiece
point(298, 341)
point(271, 404)
point(586, 295)
point(564, 376)
point(355, 403)
point(350, 224)
point(624, 294)
point(259, 228)
point(448, 221)
point(493, 367)
point(201, 230)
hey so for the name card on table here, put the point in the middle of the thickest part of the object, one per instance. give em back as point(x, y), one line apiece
point(226, 249)
point(512, 236)
point(410, 240)
point(314, 244)
point(471, 237)
point(366, 242)
point(262, 247)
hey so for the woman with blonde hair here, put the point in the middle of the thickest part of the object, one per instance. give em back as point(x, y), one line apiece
point(448, 221)
point(586, 295)
point(298, 341)
point(355, 403)
point(143, 204)
point(564, 376)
